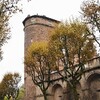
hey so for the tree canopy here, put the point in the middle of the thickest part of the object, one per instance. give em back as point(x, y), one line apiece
point(7, 8)
point(38, 64)
point(9, 85)
point(72, 38)
point(21, 93)
point(91, 15)
point(72, 47)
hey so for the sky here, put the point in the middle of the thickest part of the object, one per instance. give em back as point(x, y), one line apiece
point(13, 56)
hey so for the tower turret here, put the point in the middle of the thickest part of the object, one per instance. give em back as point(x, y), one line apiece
point(36, 28)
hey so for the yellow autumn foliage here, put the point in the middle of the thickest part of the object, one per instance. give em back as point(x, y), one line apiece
point(73, 38)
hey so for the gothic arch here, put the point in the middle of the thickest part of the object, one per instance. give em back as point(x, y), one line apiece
point(57, 91)
point(93, 83)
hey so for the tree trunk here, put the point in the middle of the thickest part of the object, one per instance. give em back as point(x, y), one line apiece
point(74, 93)
point(45, 95)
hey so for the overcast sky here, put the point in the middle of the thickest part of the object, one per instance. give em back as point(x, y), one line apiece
point(14, 50)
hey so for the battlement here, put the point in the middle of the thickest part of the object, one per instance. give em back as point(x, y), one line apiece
point(39, 16)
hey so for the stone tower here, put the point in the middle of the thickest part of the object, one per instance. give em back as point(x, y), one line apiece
point(36, 28)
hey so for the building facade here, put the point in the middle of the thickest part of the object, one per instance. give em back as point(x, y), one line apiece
point(37, 28)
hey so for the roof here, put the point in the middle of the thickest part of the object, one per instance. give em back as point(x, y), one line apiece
point(39, 16)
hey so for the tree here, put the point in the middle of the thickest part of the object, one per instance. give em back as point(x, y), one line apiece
point(7, 8)
point(91, 14)
point(9, 85)
point(39, 63)
point(1, 92)
point(72, 47)
point(21, 93)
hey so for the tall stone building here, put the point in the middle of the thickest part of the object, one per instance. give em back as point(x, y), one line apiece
point(37, 28)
